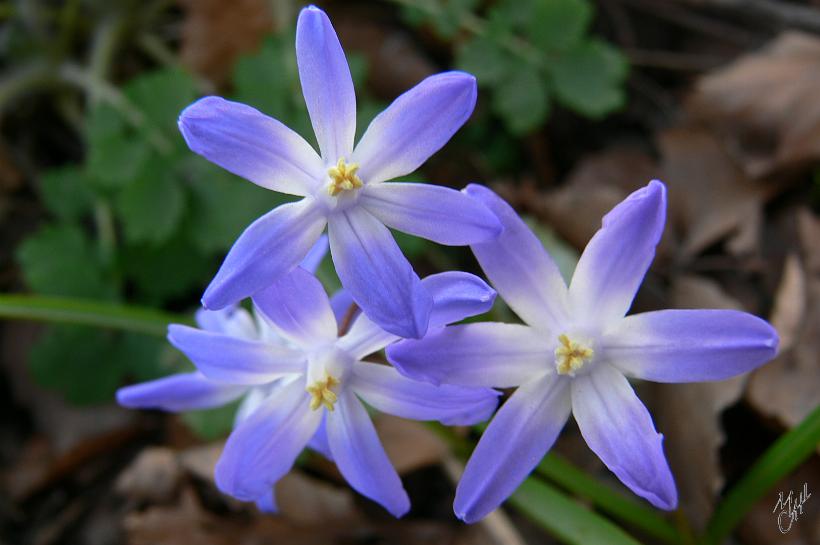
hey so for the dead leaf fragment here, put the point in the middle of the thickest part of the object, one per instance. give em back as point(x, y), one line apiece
point(305, 500)
point(215, 33)
point(153, 476)
point(409, 444)
point(689, 414)
point(710, 198)
point(767, 103)
point(593, 188)
point(788, 387)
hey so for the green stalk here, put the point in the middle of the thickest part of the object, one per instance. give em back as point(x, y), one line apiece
point(563, 473)
point(88, 312)
point(782, 457)
point(565, 518)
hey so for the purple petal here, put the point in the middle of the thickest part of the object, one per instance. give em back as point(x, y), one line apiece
point(298, 307)
point(690, 345)
point(233, 321)
point(385, 389)
point(319, 440)
point(341, 302)
point(434, 212)
point(377, 275)
point(315, 255)
point(615, 261)
point(264, 447)
point(487, 354)
point(326, 84)
point(360, 457)
point(619, 429)
point(456, 295)
point(518, 437)
point(415, 126)
point(269, 248)
point(518, 267)
point(233, 360)
point(267, 503)
point(176, 393)
point(252, 145)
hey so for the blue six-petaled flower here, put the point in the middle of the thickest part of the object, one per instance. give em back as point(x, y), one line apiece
point(344, 187)
point(575, 352)
point(302, 382)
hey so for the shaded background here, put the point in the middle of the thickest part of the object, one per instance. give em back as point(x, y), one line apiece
point(581, 103)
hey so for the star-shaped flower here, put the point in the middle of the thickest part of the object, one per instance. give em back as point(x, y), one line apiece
point(575, 353)
point(345, 187)
point(303, 382)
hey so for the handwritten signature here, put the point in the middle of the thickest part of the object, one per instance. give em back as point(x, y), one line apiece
point(789, 508)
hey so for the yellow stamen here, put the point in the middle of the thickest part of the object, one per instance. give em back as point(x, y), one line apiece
point(322, 394)
point(570, 355)
point(343, 178)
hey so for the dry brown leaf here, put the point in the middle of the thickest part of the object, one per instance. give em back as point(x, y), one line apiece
point(593, 188)
point(409, 444)
point(767, 102)
point(307, 500)
point(215, 33)
point(710, 198)
point(689, 414)
point(200, 460)
point(396, 62)
point(153, 476)
point(759, 526)
point(788, 388)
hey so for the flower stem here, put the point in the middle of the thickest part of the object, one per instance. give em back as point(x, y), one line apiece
point(88, 312)
point(782, 457)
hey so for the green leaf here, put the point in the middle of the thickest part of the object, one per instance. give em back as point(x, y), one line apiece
point(148, 266)
point(77, 362)
point(264, 80)
point(60, 260)
point(565, 256)
point(69, 310)
point(152, 206)
point(161, 95)
point(66, 193)
point(623, 507)
point(222, 205)
point(214, 423)
point(522, 100)
point(783, 456)
point(116, 160)
point(588, 78)
point(87, 365)
point(557, 25)
point(411, 246)
point(564, 518)
point(485, 59)
point(509, 16)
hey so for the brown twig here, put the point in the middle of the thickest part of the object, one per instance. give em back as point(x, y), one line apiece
point(772, 12)
point(347, 319)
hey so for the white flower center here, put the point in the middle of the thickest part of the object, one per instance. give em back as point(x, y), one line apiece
point(570, 355)
point(343, 178)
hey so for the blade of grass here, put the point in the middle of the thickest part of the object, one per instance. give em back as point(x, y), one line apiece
point(574, 480)
point(781, 458)
point(565, 518)
point(88, 312)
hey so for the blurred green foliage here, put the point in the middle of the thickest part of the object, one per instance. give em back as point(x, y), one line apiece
point(144, 220)
point(529, 53)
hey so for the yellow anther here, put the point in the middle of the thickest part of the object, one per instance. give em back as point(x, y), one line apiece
point(570, 355)
point(343, 178)
point(321, 393)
